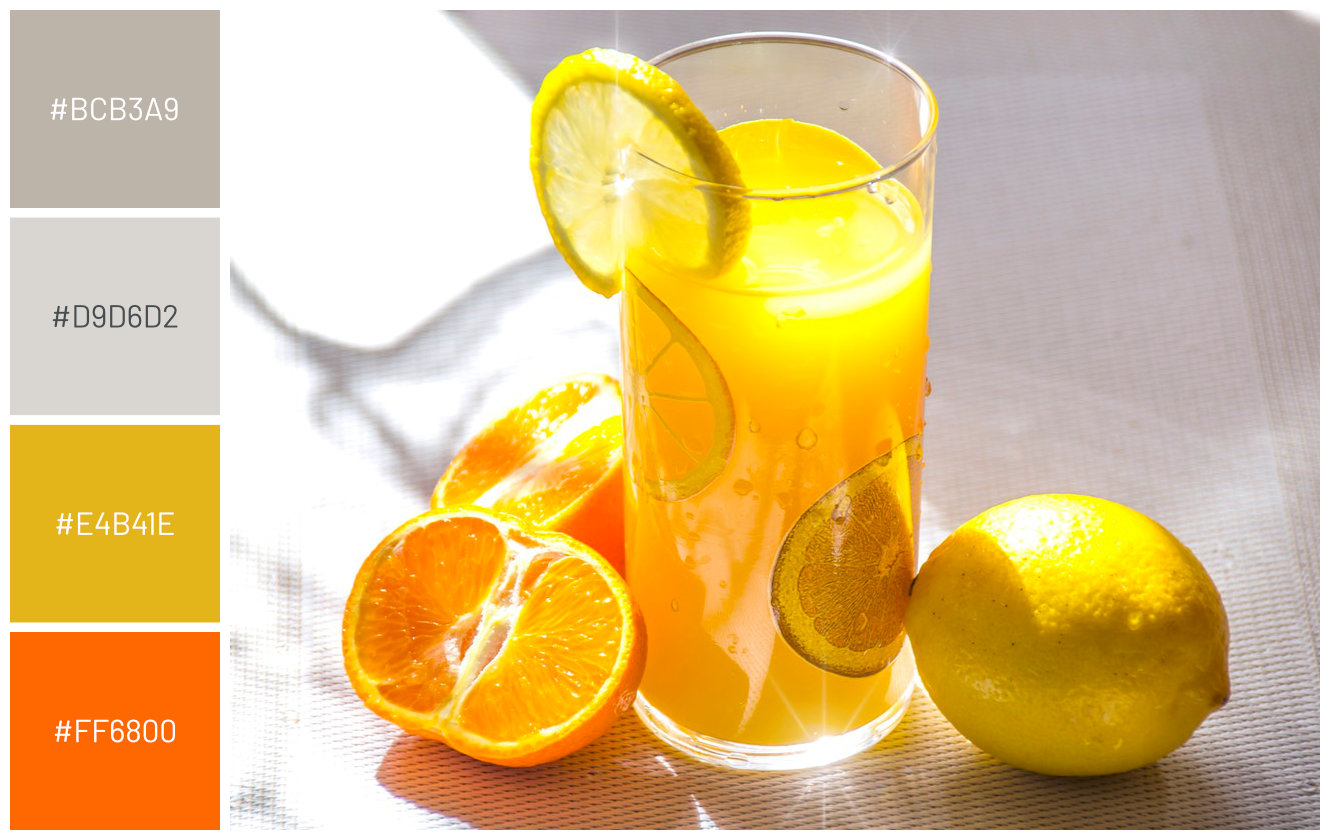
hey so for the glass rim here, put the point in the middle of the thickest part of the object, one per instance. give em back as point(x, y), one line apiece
point(818, 190)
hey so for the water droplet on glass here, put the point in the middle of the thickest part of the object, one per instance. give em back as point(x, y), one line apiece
point(844, 104)
point(724, 584)
point(754, 426)
point(674, 605)
point(689, 562)
point(873, 187)
point(806, 439)
point(743, 487)
point(928, 387)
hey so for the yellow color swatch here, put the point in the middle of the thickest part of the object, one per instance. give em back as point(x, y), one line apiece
point(114, 523)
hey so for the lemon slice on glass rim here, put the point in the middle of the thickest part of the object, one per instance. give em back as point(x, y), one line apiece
point(619, 154)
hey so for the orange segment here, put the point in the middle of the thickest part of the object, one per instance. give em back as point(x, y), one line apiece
point(511, 645)
point(409, 616)
point(565, 641)
point(556, 461)
point(678, 399)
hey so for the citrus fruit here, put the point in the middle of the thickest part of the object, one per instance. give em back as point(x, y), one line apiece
point(511, 645)
point(555, 461)
point(1069, 635)
point(678, 402)
point(842, 576)
point(617, 148)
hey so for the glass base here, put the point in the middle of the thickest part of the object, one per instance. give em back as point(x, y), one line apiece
point(738, 756)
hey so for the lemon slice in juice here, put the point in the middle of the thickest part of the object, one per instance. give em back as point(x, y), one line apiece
point(841, 580)
point(606, 129)
point(681, 412)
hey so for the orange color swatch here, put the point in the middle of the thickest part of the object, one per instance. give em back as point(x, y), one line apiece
point(115, 730)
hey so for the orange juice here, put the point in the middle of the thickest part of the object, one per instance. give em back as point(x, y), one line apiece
point(772, 422)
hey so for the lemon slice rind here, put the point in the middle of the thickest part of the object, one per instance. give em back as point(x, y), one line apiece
point(643, 402)
point(606, 129)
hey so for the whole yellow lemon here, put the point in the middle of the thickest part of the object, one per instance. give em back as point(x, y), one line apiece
point(1069, 635)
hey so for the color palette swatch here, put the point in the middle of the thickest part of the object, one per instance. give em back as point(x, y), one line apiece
point(114, 523)
point(115, 474)
point(114, 730)
point(114, 316)
point(114, 109)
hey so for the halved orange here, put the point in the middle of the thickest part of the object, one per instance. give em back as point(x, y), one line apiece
point(679, 405)
point(555, 461)
point(511, 645)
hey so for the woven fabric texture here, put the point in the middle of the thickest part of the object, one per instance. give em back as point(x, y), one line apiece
point(1125, 304)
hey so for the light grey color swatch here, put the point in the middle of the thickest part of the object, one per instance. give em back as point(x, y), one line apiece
point(153, 346)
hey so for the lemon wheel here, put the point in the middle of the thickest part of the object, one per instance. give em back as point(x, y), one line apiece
point(617, 149)
point(681, 410)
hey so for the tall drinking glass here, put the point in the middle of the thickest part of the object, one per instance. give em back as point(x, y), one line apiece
point(773, 414)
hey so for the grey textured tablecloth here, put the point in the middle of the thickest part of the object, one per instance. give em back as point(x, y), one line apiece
point(1125, 304)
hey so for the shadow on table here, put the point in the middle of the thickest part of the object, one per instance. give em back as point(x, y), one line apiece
point(369, 401)
point(983, 793)
point(628, 780)
point(625, 780)
point(970, 789)
point(615, 785)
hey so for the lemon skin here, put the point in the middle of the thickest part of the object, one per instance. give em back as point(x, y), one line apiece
point(1069, 635)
